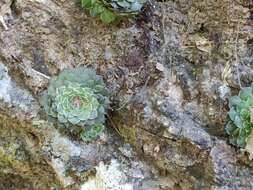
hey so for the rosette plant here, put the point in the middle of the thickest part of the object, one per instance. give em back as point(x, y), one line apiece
point(125, 6)
point(111, 10)
point(239, 126)
point(78, 99)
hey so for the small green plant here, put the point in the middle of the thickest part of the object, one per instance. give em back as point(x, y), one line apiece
point(110, 10)
point(97, 9)
point(78, 97)
point(239, 126)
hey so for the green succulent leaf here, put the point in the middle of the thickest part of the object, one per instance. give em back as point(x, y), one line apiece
point(125, 6)
point(92, 133)
point(239, 126)
point(87, 3)
point(244, 114)
point(96, 10)
point(245, 93)
point(232, 114)
point(77, 97)
point(136, 6)
point(230, 127)
point(107, 16)
point(233, 101)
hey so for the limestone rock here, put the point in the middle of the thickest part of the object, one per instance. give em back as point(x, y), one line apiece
point(171, 70)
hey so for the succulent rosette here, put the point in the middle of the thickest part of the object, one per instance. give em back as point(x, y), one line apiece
point(110, 11)
point(125, 6)
point(239, 126)
point(78, 99)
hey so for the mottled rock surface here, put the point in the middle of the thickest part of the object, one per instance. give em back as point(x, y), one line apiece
point(170, 69)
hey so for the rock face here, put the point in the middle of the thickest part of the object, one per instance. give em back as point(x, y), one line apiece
point(170, 69)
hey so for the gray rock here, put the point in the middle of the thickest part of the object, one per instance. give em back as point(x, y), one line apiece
point(172, 118)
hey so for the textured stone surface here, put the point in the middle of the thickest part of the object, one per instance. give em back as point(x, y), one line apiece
point(170, 70)
point(178, 121)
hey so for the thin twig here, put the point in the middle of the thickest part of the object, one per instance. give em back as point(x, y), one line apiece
point(24, 68)
point(41, 74)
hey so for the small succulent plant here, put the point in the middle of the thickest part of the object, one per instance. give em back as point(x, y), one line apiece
point(110, 10)
point(239, 126)
point(125, 6)
point(77, 98)
point(97, 9)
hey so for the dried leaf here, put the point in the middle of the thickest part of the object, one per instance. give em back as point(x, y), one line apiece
point(203, 44)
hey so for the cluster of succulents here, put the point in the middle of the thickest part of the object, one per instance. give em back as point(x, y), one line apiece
point(110, 10)
point(78, 99)
point(239, 125)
